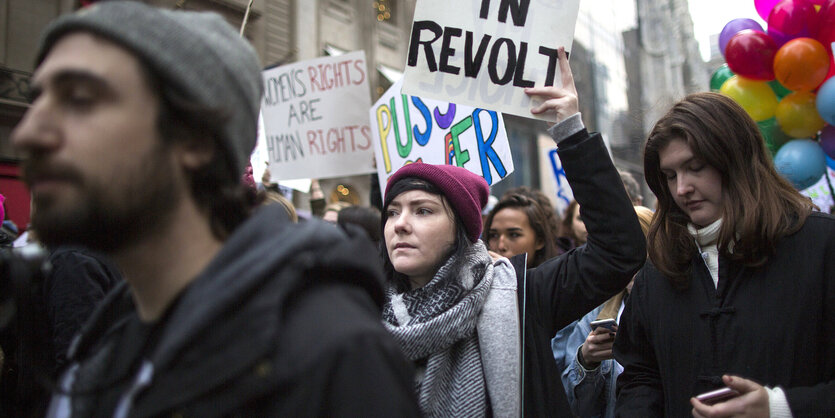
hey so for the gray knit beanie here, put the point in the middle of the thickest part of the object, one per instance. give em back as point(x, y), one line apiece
point(197, 52)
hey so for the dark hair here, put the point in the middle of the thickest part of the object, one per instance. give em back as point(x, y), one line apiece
point(542, 221)
point(462, 240)
point(566, 226)
point(759, 207)
point(544, 202)
point(216, 186)
point(366, 217)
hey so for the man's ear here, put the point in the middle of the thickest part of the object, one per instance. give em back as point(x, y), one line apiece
point(195, 154)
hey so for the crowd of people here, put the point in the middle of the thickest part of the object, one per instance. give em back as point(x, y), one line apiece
point(178, 289)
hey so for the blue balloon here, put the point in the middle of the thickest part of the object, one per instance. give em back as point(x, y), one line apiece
point(830, 162)
point(802, 162)
point(825, 101)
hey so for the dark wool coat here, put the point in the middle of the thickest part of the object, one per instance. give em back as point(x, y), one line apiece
point(565, 288)
point(774, 325)
point(285, 321)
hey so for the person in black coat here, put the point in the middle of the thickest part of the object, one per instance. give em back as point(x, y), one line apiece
point(740, 289)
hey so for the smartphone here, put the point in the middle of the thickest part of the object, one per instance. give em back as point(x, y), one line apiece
point(609, 324)
point(717, 396)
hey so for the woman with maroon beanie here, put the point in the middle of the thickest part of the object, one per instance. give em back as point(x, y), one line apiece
point(467, 321)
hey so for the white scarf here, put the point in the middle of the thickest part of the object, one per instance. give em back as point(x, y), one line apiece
point(706, 239)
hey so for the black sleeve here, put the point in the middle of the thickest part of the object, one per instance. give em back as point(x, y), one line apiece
point(819, 399)
point(77, 283)
point(567, 287)
point(639, 387)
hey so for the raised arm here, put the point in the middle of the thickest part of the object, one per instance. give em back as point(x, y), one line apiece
point(567, 287)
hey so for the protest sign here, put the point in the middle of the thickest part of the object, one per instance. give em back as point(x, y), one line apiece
point(820, 192)
point(315, 120)
point(409, 129)
point(259, 162)
point(484, 53)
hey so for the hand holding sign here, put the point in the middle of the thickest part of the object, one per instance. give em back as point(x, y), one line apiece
point(484, 53)
point(560, 100)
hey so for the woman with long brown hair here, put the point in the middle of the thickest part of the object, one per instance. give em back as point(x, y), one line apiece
point(738, 291)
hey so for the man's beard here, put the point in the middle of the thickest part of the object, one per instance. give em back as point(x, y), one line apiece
point(109, 220)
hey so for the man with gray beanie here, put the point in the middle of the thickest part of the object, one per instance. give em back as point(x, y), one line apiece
point(142, 121)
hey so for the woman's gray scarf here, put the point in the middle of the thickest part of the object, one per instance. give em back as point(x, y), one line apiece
point(437, 322)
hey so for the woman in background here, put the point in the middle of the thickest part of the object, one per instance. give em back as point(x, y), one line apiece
point(519, 224)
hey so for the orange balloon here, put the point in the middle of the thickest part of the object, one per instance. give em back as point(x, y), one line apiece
point(801, 64)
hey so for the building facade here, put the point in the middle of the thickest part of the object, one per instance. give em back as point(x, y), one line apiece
point(663, 65)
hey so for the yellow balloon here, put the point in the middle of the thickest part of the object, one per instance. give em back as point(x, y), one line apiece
point(756, 97)
point(797, 115)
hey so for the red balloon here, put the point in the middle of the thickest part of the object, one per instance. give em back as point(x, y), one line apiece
point(751, 54)
point(826, 25)
point(801, 64)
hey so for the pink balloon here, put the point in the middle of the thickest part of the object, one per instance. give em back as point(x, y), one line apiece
point(791, 19)
point(826, 24)
point(764, 7)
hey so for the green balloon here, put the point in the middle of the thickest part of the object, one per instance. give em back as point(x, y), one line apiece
point(719, 77)
point(773, 135)
point(778, 89)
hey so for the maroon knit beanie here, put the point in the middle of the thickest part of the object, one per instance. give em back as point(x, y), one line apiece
point(466, 191)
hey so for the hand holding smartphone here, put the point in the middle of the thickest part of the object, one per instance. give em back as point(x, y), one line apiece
point(716, 396)
point(610, 324)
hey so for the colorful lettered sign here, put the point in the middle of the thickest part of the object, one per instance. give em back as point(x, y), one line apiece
point(315, 120)
point(484, 53)
point(407, 129)
point(820, 193)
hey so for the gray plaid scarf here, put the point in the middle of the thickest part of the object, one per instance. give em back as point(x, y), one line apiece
point(437, 322)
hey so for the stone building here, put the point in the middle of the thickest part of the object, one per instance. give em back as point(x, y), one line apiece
point(663, 65)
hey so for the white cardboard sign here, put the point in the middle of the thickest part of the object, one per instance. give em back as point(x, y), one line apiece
point(316, 120)
point(484, 53)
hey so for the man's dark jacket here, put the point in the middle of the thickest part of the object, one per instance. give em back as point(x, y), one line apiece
point(285, 321)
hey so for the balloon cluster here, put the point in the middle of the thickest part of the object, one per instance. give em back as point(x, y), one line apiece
point(783, 78)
